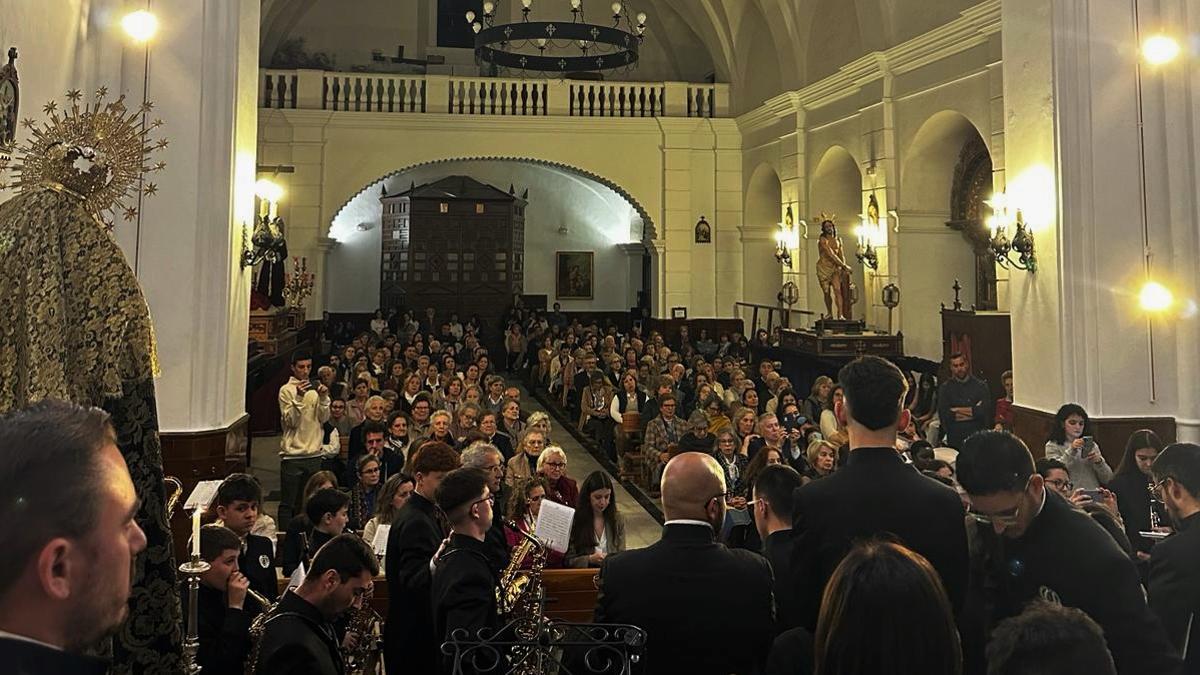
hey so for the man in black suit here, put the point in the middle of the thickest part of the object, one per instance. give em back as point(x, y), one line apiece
point(1175, 561)
point(774, 492)
point(486, 458)
point(464, 582)
point(706, 609)
point(875, 493)
point(298, 636)
point(1051, 550)
point(410, 645)
point(69, 536)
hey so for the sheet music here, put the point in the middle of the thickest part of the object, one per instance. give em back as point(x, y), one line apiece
point(202, 495)
point(554, 525)
point(297, 577)
point(381, 538)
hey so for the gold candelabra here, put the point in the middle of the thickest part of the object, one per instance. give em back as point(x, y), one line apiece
point(298, 284)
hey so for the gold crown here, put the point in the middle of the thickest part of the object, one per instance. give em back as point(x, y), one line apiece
point(97, 152)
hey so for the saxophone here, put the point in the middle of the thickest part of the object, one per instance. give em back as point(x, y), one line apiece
point(520, 594)
point(257, 627)
point(366, 623)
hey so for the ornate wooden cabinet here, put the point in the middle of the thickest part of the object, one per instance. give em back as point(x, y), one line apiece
point(455, 244)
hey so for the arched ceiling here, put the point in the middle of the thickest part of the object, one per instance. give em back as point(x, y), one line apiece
point(735, 40)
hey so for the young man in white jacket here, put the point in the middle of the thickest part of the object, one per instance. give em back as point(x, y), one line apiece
point(303, 409)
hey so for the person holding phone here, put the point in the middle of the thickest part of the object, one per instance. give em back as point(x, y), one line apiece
point(1071, 443)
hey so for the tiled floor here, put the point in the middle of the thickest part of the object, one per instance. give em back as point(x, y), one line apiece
point(641, 529)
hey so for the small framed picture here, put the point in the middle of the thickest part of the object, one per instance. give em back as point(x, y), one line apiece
point(679, 312)
point(573, 278)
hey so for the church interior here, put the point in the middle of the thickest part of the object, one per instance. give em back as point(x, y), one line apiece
point(1010, 183)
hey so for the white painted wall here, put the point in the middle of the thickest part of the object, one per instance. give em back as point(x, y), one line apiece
point(596, 217)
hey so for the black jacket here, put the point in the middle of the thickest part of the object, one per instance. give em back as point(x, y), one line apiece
point(410, 645)
point(876, 493)
point(26, 658)
point(1175, 588)
point(464, 590)
point(1067, 556)
point(706, 609)
point(297, 640)
point(497, 543)
point(257, 562)
point(780, 549)
point(1133, 501)
point(224, 631)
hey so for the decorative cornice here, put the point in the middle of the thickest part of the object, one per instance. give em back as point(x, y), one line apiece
point(973, 27)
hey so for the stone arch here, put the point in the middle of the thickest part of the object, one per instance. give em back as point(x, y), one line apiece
point(649, 232)
point(835, 188)
point(764, 199)
point(932, 164)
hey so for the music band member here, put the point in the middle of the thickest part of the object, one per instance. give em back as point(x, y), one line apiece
point(237, 505)
point(464, 581)
point(299, 637)
point(224, 609)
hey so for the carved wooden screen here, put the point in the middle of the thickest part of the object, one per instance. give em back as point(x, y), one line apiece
point(973, 185)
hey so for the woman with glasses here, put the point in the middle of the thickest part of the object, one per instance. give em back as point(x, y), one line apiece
point(1132, 484)
point(362, 497)
point(734, 464)
point(1101, 504)
point(523, 509)
point(552, 464)
point(1071, 443)
point(714, 410)
point(597, 529)
point(523, 465)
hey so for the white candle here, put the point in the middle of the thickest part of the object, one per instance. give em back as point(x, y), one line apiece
point(196, 533)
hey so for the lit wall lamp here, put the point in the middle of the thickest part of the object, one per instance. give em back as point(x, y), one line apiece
point(266, 241)
point(786, 239)
point(869, 234)
point(1004, 216)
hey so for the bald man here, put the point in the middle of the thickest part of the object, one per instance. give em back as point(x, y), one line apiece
point(705, 608)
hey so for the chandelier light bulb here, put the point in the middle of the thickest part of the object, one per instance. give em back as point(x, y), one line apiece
point(526, 3)
point(1160, 49)
point(470, 16)
point(488, 7)
point(616, 8)
point(140, 25)
point(574, 4)
point(477, 27)
point(1155, 297)
point(641, 18)
point(541, 43)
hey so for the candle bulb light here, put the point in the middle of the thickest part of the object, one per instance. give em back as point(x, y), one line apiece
point(196, 533)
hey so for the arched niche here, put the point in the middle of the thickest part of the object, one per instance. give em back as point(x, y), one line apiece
point(945, 173)
point(761, 213)
point(567, 211)
point(835, 189)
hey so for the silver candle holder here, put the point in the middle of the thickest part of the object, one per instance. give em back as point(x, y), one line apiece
point(192, 569)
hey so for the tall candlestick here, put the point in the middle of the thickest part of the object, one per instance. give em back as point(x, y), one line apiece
point(196, 533)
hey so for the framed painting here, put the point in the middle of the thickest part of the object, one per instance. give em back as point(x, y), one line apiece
point(573, 278)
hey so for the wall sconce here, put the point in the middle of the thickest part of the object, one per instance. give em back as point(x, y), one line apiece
point(786, 239)
point(1003, 216)
point(266, 241)
point(868, 235)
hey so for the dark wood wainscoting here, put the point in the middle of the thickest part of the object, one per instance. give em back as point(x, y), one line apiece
point(1033, 427)
point(202, 455)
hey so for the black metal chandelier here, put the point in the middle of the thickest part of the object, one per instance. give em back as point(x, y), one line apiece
point(558, 47)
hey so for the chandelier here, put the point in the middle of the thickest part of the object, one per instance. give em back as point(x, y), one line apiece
point(560, 47)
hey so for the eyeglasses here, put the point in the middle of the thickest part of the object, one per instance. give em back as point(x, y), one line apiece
point(557, 465)
point(1156, 490)
point(537, 498)
point(1006, 518)
point(1060, 484)
point(490, 499)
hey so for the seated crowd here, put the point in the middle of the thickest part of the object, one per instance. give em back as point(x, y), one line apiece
point(869, 524)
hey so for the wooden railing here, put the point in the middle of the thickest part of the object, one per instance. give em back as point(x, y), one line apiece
point(769, 316)
point(396, 93)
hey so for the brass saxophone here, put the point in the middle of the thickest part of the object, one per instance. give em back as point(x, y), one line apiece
point(257, 627)
point(173, 494)
point(520, 593)
point(366, 623)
